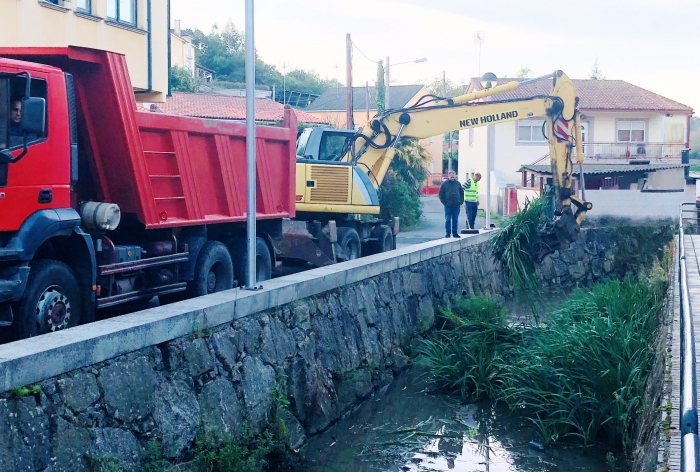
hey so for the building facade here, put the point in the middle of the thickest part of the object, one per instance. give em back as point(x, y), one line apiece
point(182, 50)
point(138, 29)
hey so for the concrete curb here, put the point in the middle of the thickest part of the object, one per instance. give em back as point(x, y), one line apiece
point(35, 359)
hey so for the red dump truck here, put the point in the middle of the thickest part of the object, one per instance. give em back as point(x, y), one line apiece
point(101, 204)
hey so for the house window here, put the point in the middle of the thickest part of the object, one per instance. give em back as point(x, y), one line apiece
point(530, 131)
point(83, 6)
point(630, 131)
point(123, 11)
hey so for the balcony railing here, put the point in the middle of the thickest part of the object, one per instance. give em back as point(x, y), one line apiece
point(622, 153)
point(659, 152)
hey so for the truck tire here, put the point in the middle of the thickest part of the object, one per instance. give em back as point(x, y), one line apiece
point(51, 300)
point(263, 263)
point(213, 271)
point(349, 242)
point(385, 240)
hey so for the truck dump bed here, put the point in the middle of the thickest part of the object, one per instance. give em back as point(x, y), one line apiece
point(169, 170)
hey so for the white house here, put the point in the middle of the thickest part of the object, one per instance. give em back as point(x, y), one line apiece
point(637, 135)
point(181, 49)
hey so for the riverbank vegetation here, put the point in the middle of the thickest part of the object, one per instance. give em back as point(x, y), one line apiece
point(578, 377)
point(512, 248)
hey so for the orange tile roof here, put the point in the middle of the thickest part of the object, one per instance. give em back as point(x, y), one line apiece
point(227, 107)
point(602, 95)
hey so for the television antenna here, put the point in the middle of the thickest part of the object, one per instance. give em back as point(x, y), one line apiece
point(479, 38)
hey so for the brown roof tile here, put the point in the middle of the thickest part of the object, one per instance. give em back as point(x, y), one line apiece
point(226, 107)
point(607, 95)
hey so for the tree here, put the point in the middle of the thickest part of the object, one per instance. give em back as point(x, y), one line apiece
point(524, 72)
point(695, 138)
point(401, 189)
point(596, 72)
point(380, 87)
point(181, 79)
point(447, 88)
point(223, 51)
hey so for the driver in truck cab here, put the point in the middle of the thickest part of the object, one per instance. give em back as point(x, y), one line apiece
point(15, 117)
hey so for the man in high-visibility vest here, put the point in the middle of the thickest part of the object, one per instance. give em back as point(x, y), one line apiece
point(471, 198)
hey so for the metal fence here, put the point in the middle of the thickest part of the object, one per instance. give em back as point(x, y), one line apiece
point(661, 152)
point(688, 421)
point(613, 153)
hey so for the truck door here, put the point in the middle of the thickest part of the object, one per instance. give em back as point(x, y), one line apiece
point(41, 179)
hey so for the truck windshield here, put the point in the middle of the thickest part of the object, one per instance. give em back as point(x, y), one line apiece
point(5, 115)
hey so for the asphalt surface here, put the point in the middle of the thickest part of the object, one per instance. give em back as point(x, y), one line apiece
point(433, 225)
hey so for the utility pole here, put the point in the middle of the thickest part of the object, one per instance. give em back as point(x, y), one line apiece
point(444, 85)
point(367, 98)
point(387, 85)
point(348, 97)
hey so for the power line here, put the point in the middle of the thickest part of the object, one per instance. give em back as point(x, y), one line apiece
point(365, 55)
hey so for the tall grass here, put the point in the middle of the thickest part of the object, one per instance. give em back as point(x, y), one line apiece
point(581, 376)
point(512, 246)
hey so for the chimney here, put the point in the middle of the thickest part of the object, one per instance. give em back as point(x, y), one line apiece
point(177, 27)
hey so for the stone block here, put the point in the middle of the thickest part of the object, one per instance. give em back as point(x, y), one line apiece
point(198, 359)
point(118, 444)
point(128, 387)
point(425, 315)
point(277, 340)
point(177, 416)
point(220, 410)
point(226, 351)
point(79, 390)
point(257, 383)
point(69, 447)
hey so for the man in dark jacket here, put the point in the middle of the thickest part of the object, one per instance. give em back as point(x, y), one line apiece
point(451, 195)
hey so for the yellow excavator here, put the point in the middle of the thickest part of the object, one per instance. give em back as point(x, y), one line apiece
point(339, 172)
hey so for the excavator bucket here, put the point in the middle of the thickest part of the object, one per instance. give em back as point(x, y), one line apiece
point(554, 235)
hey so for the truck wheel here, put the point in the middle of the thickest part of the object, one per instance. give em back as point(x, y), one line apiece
point(213, 271)
point(385, 240)
point(263, 263)
point(349, 242)
point(51, 300)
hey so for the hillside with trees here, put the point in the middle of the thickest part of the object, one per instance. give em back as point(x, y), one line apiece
point(223, 51)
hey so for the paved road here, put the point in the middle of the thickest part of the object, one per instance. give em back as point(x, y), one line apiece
point(433, 226)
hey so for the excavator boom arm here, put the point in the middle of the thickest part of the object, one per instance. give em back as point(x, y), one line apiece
point(374, 146)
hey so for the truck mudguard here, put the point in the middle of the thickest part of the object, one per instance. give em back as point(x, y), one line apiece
point(39, 227)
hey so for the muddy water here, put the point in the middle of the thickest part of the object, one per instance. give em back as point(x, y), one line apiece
point(406, 428)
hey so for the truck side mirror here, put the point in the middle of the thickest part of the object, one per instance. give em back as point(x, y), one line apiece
point(33, 116)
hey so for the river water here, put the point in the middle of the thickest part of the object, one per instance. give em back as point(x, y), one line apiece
point(405, 427)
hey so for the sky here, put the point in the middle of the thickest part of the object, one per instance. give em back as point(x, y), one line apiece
point(648, 43)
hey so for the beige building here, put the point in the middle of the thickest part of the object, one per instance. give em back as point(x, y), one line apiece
point(330, 108)
point(136, 28)
point(181, 49)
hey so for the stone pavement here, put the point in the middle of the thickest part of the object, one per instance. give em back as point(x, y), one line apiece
point(433, 225)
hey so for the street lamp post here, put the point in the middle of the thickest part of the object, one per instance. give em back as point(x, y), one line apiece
point(387, 77)
point(250, 141)
point(489, 80)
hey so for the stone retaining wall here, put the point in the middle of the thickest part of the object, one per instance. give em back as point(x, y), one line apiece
point(207, 366)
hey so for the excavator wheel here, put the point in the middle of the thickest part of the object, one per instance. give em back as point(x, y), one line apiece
point(349, 242)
